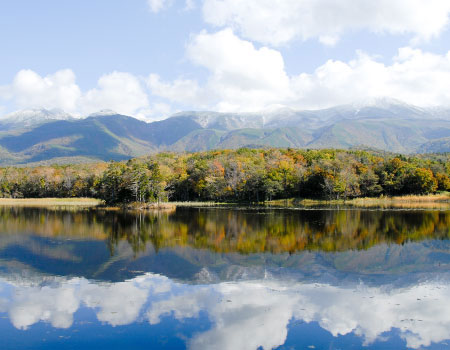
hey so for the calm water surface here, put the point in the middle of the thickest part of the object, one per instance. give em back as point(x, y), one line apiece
point(225, 279)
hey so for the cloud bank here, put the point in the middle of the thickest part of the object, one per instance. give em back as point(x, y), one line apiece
point(246, 73)
point(118, 91)
point(279, 22)
point(241, 78)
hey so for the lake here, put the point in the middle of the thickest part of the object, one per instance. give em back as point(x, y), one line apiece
point(205, 278)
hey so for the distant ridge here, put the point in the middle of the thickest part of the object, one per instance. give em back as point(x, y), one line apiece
point(31, 117)
point(41, 135)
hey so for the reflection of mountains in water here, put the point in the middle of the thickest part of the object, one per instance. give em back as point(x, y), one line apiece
point(370, 275)
point(403, 265)
point(195, 245)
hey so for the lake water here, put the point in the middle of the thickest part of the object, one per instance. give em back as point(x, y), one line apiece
point(224, 279)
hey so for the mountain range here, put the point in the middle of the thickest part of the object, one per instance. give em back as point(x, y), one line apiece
point(41, 135)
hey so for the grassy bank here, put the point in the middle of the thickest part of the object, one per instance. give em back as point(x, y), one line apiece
point(51, 202)
point(436, 201)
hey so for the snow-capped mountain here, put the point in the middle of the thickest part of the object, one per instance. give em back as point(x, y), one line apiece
point(384, 124)
point(103, 112)
point(32, 117)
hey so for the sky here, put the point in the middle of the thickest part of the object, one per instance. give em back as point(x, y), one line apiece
point(152, 58)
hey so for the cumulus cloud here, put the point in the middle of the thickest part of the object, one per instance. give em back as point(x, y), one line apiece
point(279, 22)
point(30, 90)
point(238, 64)
point(242, 77)
point(120, 92)
point(184, 91)
point(245, 78)
point(415, 77)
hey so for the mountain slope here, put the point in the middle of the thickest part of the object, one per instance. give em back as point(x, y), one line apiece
point(381, 124)
point(32, 117)
point(93, 137)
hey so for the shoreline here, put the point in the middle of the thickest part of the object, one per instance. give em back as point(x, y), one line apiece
point(410, 201)
point(49, 202)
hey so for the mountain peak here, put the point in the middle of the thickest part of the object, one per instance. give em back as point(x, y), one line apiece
point(103, 113)
point(380, 102)
point(34, 116)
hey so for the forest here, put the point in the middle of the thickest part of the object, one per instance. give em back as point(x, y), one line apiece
point(242, 175)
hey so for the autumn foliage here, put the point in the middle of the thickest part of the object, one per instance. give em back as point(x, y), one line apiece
point(249, 175)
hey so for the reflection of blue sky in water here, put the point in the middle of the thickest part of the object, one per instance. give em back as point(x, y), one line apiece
point(61, 288)
point(244, 314)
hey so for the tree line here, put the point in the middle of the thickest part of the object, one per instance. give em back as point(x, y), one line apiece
point(242, 175)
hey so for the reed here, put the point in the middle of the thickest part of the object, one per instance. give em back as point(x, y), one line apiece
point(50, 202)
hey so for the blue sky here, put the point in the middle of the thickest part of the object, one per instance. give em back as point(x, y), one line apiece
point(150, 58)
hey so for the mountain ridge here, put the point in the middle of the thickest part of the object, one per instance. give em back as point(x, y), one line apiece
point(388, 125)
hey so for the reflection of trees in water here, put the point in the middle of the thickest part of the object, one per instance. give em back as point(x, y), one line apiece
point(240, 231)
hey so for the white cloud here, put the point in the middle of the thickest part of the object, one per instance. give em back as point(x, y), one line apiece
point(185, 91)
point(158, 5)
point(30, 90)
point(236, 61)
point(120, 92)
point(415, 77)
point(245, 78)
point(279, 22)
point(242, 77)
point(157, 111)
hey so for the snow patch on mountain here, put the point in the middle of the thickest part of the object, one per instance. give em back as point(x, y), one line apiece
point(32, 117)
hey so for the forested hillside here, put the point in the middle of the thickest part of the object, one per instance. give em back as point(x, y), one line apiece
point(234, 175)
point(52, 136)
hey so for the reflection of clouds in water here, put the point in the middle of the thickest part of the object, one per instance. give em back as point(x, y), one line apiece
point(183, 306)
point(421, 312)
point(54, 305)
point(246, 315)
point(243, 314)
point(118, 303)
point(252, 314)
